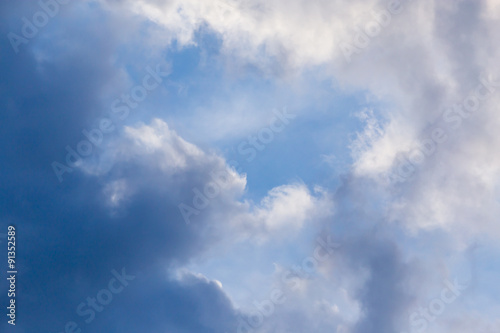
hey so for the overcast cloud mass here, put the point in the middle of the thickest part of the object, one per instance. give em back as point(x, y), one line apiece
point(239, 166)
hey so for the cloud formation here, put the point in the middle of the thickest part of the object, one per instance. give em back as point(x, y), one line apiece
point(160, 199)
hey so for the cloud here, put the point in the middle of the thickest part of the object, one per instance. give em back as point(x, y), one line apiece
point(157, 152)
point(121, 206)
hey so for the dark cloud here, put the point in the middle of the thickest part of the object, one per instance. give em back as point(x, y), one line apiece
point(69, 240)
point(385, 296)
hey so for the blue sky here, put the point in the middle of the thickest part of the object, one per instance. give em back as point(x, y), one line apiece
point(251, 166)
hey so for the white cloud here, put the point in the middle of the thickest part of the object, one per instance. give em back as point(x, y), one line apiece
point(171, 152)
point(285, 210)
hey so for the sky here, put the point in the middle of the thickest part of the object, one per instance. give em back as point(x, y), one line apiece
point(240, 166)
